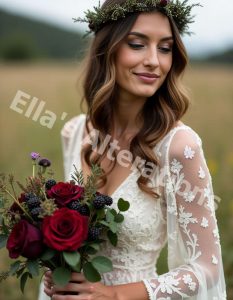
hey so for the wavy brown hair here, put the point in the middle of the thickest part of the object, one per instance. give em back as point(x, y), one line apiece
point(160, 112)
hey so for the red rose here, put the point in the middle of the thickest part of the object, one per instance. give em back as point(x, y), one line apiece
point(65, 230)
point(63, 193)
point(25, 240)
point(15, 209)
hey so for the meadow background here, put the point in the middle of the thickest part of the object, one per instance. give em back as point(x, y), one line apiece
point(25, 66)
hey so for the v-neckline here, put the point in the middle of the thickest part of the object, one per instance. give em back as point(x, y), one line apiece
point(81, 137)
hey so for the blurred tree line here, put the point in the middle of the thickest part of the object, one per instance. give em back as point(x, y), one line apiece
point(22, 38)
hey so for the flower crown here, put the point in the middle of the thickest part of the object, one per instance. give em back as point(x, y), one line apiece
point(178, 10)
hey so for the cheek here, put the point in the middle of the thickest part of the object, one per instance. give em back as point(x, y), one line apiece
point(125, 60)
point(166, 64)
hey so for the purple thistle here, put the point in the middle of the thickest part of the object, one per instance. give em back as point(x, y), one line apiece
point(34, 155)
point(44, 162)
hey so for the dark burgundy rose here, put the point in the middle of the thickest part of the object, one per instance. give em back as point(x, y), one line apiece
point(65, 230)
point(25, 240)
point(14, 209)
point(64, 193)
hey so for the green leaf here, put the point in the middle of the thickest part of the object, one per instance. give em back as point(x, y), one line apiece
point(100, 214)
point(72, 258)
point(48, 254)
point(113, 227)
point(102, 264)
point(23, 280)
point(3, 240)
point(91, 251)
point(119, 218)
point(95, 246)
point(109, 216)
point(104, 223)
point(20, 272)
point(112, 238)
point(14, 267)
point(113, 212)
point(91, 273)
point(33, 267)
point(61, 276)
point(123, 205)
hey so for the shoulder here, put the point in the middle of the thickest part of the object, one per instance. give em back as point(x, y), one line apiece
point(184, 141)
point(71, 126)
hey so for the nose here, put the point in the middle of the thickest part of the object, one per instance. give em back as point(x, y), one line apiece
point(151, 58)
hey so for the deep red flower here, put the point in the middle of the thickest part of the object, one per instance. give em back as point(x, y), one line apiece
point(65, 230)
point(164, 3)
point(25, 240)
point(15, 207)
point(64, 193)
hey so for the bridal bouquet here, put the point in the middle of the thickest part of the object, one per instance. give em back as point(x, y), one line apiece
point(56, 225)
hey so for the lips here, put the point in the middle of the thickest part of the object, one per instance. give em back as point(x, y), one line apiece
point(148, 75)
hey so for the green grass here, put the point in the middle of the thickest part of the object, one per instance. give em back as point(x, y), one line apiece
point(56, 83)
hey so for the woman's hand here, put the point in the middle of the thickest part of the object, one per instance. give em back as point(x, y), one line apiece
point(48, 284)
point(78, 289)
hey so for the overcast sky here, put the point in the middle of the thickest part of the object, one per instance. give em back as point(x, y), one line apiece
point(213, 25)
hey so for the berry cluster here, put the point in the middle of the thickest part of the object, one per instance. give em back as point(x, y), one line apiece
point(94, 233)
point(33, 204)
point(50, 183)
point(101, 200)
point(78, 206)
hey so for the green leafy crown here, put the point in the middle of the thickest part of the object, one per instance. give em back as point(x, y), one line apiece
point(179, 11)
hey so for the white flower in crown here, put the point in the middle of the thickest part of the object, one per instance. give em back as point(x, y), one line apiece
point(188, 152)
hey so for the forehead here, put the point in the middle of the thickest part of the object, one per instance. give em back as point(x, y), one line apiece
point(153, 24)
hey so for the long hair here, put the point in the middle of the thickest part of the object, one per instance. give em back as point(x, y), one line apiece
point(160, 112)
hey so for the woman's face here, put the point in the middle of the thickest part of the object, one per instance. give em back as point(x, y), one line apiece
point(144, 58)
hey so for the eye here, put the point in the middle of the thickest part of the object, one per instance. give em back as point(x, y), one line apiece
point(136, 45)
point(165, 49)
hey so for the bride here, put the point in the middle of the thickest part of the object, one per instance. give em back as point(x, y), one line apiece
point(134, 97)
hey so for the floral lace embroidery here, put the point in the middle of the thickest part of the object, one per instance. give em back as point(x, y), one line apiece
point(144, 234)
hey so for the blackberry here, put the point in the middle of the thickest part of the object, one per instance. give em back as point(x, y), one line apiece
point(36, 211)
point(84, 210)
point(108, 200)
point(75, 205)
point(99, 202)
point(29, 196)
point(33, 202)
point(49, 183)
point(94, 233)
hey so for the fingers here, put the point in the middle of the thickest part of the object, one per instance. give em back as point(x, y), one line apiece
point(77, 277)
point(48, 283)
point(73, 287)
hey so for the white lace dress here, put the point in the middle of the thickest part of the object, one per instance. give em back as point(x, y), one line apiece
point(184, 217)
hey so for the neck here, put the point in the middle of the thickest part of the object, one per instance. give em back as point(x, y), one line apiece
point(126, 115)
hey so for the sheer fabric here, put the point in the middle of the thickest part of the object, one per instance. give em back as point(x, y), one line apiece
point(183, 216)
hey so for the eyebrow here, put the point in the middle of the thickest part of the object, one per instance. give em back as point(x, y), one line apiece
point(145, 37)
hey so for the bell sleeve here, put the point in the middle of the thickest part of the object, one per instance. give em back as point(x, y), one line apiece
point(194, 252)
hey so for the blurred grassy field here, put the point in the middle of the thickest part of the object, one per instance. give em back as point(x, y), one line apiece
point(211, 115)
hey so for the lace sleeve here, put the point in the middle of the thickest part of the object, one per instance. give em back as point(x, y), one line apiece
point(194, 254)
